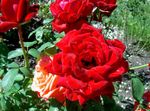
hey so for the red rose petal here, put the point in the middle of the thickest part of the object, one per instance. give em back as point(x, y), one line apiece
point(9, 9)
point(22, 10)
point(5, 26)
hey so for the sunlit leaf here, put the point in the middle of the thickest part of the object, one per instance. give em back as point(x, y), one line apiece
point(46, 21)
point(13, 65)
point(19, 77)
point(8, 79)
point(30, 44)
point(55, 105)
point(45, 46)
point(35, 53)
point(15, 53)
point(25, 71)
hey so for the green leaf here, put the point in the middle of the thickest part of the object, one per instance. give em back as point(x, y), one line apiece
point(39, 33)
point(33, 109)
point(3, 49)
point(3, 106)
point(0, 86)
point(53, 108)
point(25, 71)
point(15, 53)
point(9, 78)
point(51, 51)
point(14, 89)
point(137, 89)
point(72, 106)
point(13, 65)
point(110, 103)
point(106, 20)
point(1, 72)
point(30, 44)
point(55, 105)
point(35, 53)
point(19, 77)
point(45, 46)
point(59, 35)
point(3, 61)
point(33, 32)
point(27, 82)
point(46, 21)
point(93, 105)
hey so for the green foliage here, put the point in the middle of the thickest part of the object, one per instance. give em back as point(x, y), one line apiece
point(33, 52)
point(3, 56)
point(72, 106)
point(110, 105)
point(15, 53)
point(45, 46)
point(93, 105)
point(9, 79)
point(30, 44)
point(15, 79)
point(137, 89)
point(25, 71)
point(55, 106)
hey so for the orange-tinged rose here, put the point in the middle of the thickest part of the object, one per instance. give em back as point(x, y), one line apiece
point(45, 83)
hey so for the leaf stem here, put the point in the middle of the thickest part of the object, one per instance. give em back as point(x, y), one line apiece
point(26, 59)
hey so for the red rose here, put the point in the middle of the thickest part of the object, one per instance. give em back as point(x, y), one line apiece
point(68, 12)
point(105, 6)
point(88, 64)
point(15, 12)
point(60, 26)
point(146, 98)
point(71, 10)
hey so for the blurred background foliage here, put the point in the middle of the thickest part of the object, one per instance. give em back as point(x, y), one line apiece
point(131, 16)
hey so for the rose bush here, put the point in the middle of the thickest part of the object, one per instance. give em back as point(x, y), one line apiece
point(88, 64)
point(69, 12)
point(85, 66)
point(15, 12)
point(45, 83)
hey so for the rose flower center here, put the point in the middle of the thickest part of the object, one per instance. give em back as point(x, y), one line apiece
point(88, 63)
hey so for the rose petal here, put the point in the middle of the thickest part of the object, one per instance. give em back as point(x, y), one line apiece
point(22, 10)
point(5, 26)
point(71, 83)
point(58, 25)
point(9, 9)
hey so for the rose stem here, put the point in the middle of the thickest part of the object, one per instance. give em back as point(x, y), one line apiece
point(138, 67)
point(22, 46)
